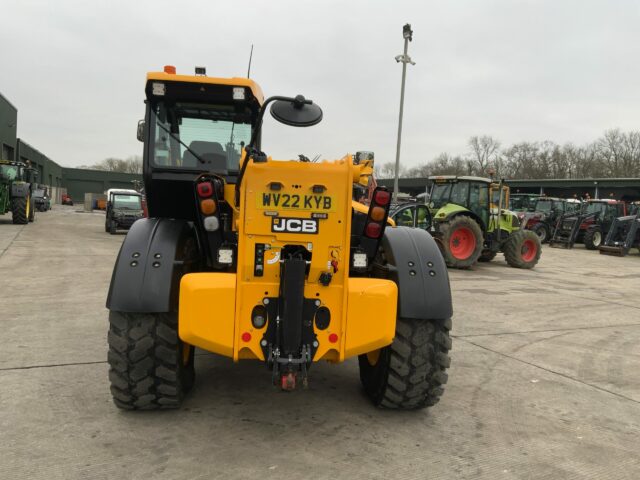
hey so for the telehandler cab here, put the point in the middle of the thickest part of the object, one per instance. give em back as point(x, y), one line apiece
point(252, 258)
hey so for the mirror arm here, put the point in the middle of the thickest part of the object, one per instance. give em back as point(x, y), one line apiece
point(250, 151)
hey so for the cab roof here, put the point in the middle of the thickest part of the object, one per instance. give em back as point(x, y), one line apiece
point(604, 200)
point(203, 79)
point(452, 178)
point(122, 191)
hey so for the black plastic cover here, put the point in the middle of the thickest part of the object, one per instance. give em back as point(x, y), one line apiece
point(420, 272)
point(153, 257)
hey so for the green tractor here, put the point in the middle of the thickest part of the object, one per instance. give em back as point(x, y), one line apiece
point(15, 191)
point(470, 224)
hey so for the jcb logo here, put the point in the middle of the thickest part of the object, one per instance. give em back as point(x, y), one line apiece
point(294, 225)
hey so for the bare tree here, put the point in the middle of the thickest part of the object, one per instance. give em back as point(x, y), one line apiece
point(445, 164)
point(615, 154)
point(130, 165)
point(484, 150)
point(388, 170)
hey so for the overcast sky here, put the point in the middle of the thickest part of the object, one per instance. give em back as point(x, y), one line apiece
point(518, 70)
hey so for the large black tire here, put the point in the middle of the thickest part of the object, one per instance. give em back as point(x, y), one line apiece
point(593, 238)
point(411, 372)
point(542, 231)
point(112, 227)
point(487, 255)
point(522, 249)
point(461, 241)
point(20, 210)
point(150, 367)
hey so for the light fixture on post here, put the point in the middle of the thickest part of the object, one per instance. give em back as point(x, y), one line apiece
point(407, 34)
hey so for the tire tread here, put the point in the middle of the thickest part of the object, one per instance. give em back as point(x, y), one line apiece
point(144, 359)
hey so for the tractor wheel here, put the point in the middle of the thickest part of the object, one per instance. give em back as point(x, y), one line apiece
point(20, 210)
point(462, 241)
point(542, 231)
point(411, 372)
point(593, 238)
point(150, 367)
point(487, 256)
point(112, 227)
point(106, 226)
point(522, 249)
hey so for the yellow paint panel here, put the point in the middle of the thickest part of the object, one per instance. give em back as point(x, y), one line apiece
point(371, 315)
point(207, 311)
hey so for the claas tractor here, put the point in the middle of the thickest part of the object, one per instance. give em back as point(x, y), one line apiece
point(470, 223)
point(257, 259)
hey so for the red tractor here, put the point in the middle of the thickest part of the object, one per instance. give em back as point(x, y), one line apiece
point(589, 226)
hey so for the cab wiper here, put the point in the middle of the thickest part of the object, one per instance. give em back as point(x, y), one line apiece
point(181, 143)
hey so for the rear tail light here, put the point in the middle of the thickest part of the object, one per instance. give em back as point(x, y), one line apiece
point(373, 230)
point(382, 197)
point(205, 189)
point(208, 206)
point(378, 212)
point(211, 224)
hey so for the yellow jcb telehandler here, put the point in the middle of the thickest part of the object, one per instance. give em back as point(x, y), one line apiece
point(257, 259)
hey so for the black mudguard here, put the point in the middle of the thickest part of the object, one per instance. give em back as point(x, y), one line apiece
point(417, 267)
point(19, 190)
point(154, 255)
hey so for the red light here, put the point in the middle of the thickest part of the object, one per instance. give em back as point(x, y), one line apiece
point(205, 189)
point(246, 337)
point(333, 337)
point(170, 69)
point(382, 197)
point(373, 230)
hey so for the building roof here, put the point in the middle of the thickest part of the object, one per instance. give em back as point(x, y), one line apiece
point(8, 102)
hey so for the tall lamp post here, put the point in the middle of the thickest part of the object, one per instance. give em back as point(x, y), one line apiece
point(407, 33)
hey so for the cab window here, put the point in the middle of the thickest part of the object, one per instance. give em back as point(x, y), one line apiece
point(423, 218)
point(405, 218)
point(479, 200)
point(460, 193)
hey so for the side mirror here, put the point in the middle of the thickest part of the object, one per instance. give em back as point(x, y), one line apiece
point(299, 112)
point(140, 135)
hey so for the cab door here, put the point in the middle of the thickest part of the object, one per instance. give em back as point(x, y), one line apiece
point(405, 216)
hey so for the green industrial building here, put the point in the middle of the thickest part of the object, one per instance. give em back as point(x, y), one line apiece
point(8, 129)
point(73, 181)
